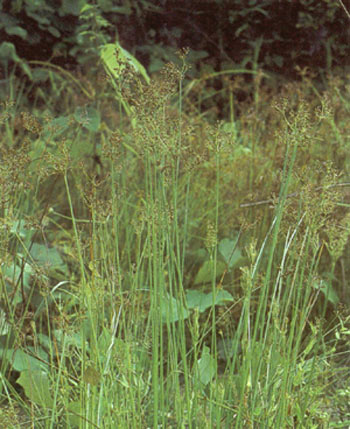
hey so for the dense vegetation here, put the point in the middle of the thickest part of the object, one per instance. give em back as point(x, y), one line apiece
point(160, 267)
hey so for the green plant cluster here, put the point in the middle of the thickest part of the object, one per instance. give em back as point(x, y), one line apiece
point(275, 36)
point(159, 270)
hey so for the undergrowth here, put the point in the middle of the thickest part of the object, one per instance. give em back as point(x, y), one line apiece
point(168, 271)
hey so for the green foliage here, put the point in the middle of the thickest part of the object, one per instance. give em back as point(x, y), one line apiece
point(325, 286)
point(205, 273)
point(207, 367)
point(47, 23)
point(172, 310)
point(36, 387)
point(231, 252)
point(202, 301)
point(8, 54)
point(88, 117)
point(269, 35)
point(128, 296)
point(22, 361)
point(115, 59)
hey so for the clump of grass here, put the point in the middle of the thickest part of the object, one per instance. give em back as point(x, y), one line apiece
point(100, 328)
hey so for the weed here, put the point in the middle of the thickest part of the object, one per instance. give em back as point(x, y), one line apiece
point(189, 279)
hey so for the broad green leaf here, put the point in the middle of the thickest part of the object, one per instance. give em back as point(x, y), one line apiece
point(195, 299)
point(206, 366)
point(56, 127)
point(45, 341)
point(74, 411)
point(203, 301)
point(16, 31)
point(87, 8)
point(20, 227)
point(231, 254)
point(88, 117)
point(13, 272)
point(171, 309)
point(104, 341)
point(47, 256)
point(37, 387)
point(54, 31)
point(22, 361)
point(41, 19)
point(109, 54)
point(227, 347)
point(327, 289)
point(72, 339)
point(8, 52)
point(221, 297)
point(12, 275)
point(205, 273)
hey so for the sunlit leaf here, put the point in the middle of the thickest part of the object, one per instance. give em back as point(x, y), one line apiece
point(109, 57)
point(22, 361)
point(328, 291)
point(205, 273)
point(37, 387)
point(230, 252)
point(172, 310)
point(74, 412)
point(203, 301)
point(47, 256)
point(206, 366)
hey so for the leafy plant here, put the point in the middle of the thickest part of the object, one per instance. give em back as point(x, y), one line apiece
point(129, 298)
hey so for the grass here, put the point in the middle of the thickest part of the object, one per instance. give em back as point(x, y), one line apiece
point(137, 289)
